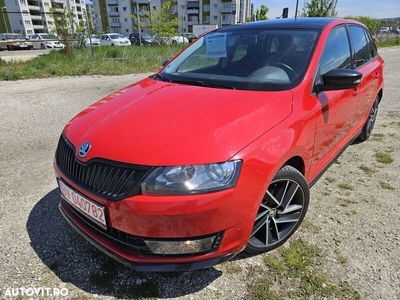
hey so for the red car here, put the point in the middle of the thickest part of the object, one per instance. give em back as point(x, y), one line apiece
point(216, 152)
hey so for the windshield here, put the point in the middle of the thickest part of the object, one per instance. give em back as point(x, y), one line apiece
point(47, 36)
point(250, 59)
point(115, 36)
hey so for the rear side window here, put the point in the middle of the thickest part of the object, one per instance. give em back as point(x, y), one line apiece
point(361, 48)
point(337, 51)
point(374, 50)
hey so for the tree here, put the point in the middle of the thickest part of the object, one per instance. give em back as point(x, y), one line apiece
point(261, 13)
point(372, 24)
point(164, 22)
point(320, 8)
point(64, 28)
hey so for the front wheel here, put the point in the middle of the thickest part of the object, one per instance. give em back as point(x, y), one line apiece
point(281, 211)
point(370, 123)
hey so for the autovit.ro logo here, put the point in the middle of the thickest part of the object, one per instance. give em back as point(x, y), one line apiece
point(34, 292)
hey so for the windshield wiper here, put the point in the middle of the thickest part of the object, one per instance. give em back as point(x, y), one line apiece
point(160, 77)
point(205, 84)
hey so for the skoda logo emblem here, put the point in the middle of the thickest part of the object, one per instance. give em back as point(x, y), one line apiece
point(84, 149)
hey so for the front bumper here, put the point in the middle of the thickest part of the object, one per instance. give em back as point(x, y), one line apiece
point(229, 212)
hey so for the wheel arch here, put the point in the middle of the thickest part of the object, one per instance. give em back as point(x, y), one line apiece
point(296, 162)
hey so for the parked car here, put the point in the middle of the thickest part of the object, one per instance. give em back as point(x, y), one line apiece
point(114, 39)
point(191, 37)
point(13, 41)
point(146, 39)
point(95, 41)
point(54, 45)
point(384, 30)
point(40, 40)
point(217, 151)
point(171, 40)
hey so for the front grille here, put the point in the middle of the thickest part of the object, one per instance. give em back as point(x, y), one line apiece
point(112, 180)
point(113, 236)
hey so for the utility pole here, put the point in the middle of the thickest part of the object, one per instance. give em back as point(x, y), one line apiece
point(297, 7)
point(138, 23)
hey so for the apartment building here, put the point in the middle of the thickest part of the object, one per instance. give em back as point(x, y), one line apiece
point(212, 12)
point(28, 17)
point(121, 14)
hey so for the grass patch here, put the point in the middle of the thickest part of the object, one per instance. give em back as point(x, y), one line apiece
point(345, 186)
point(231, 267)
point(386, 186)
point(330, 179)
point(383, 157)
point(367, 170)
point(293, 273)
point(106, 61)
point(388, 43)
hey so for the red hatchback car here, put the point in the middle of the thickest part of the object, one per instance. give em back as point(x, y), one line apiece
point(216, 152)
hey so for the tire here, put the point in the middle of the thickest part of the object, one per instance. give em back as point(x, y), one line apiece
point(290, 192)
point(370, 123)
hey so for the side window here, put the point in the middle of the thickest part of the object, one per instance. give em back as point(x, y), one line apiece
point(336, 52)
point(361, 49)
point(374, 50)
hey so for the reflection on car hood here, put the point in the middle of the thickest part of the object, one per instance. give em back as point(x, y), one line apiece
point(160, 123)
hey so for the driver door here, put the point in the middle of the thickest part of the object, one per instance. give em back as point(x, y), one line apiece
point(333, 122)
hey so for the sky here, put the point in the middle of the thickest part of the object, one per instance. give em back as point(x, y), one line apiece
point(371, 8)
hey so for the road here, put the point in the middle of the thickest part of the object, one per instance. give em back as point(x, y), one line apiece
point(38, 248)
point(22, 55)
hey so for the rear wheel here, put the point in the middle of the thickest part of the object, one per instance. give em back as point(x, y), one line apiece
point(281, 211)
point(370, 123)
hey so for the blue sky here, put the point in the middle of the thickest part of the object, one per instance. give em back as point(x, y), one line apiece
point(371, 8)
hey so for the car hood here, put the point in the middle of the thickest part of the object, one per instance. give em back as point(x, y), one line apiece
point(159, 123)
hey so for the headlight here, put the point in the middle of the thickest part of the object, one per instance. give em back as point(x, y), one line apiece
point(192, 179)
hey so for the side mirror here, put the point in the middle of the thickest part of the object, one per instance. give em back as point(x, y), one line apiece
point(165, 62)
point(339, 79)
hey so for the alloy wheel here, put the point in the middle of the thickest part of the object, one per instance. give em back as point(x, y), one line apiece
point(279, 213)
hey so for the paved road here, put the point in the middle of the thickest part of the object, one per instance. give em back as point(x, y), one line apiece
point(21, 55)
point(37, 248)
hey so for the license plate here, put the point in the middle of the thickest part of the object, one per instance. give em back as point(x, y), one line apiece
point(93, 211)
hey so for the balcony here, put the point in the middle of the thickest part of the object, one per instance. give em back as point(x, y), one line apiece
point(59, 10)
point(226, 10)
point(38, 26)
point(193, 22)
point(59, 1)
point(33, 17)
point(115, 25)
point(192, 10)
point(112, 2)
point(113, 14)
point(34, 7)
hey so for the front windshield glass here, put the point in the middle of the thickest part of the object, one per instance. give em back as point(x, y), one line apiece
point(250, 59)
point(47, 36)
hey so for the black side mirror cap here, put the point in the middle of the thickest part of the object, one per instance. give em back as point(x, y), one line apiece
point(339, 79)
point(165, 62)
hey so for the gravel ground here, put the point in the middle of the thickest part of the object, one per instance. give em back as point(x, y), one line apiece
point(353, 216)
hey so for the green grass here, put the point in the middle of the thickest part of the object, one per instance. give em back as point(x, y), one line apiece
point(388, 43)
point(366, 169)
point(386, 186)
point(106, 61)
point(345, 186)
point(383, 157)
point(294, 273)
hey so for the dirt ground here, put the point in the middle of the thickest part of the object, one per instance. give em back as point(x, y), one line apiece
point(354, 213)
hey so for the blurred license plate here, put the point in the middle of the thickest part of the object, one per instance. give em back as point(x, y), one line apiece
point(93, 211)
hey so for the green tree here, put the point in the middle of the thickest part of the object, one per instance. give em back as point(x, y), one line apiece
point(372, 24)
point(261, 13)
point(64, 28)
point(320, 8)
point(164, 22)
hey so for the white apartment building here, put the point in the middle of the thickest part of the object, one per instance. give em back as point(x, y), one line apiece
point(121, 14)
point(28, 17)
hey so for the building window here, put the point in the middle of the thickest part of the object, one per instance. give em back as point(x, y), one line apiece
point(215, 5)
point(215, 18)
point(126, 30)
point(29, 31)
point(27, 22)
point(124, 8)
point(126, 20)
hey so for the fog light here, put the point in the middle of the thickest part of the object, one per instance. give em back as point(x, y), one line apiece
point(182, 246)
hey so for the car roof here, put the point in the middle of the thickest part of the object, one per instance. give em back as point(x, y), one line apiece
point(291, 23)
